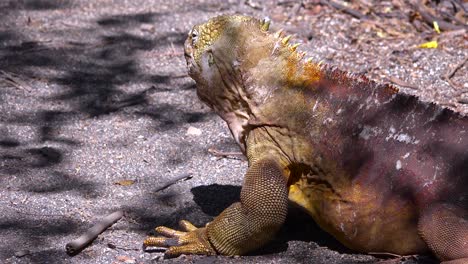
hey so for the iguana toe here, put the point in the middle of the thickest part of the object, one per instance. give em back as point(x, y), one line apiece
point(192, 240)
point(187, 226)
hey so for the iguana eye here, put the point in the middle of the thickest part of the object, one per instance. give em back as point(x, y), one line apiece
point(194, 35)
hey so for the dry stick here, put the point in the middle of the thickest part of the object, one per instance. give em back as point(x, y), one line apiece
point(253, 5)
point(78, 244)
point(429, 18)
point(218, 153)
point(295, 10)
point(394, 257)
point(344, 9)
point(386, 254)
point(16, 82)
point(456, 68)
point(448, 36)
point(452, 72)
point(182, 177)
point(402, 83)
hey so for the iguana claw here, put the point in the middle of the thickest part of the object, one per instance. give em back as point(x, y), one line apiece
point(191, 240)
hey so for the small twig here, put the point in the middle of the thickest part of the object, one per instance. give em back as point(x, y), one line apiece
point(448, 36)
point(295, 10)
point(453, 33)
point(343, 9)
point(395, 258)
point(182, 75)
point(110, 245)
point(447, 77)
point(286, 3)
point(170, 54)
point(456, 68)
point(21, 253)
point(177, 179)
point(429, 18)
point(387, 254)
point(402, 83)
point(75, 246)
point(14, 81)
point(218, 153)
point(253, 5)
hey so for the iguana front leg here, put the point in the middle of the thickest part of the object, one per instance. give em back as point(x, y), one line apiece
point(242, 227)
point(444, 227)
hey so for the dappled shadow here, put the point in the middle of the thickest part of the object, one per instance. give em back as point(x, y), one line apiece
point(77, 80)
point(54, 77)
point(50, 226)
point(10, 5)
point(167, 116)
point(56, 182)
point(32, 231)
point(127, 20)
point(22, 159)
point(50, 256)
point(9, 143)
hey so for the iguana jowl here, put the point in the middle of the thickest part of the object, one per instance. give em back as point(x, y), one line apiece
point(378, 169)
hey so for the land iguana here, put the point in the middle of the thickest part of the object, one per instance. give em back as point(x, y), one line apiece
point(378, 169)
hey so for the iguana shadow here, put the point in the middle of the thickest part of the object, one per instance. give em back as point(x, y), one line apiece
point(213, 199)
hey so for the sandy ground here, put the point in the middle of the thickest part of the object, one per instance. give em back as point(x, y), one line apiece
point(93, 93)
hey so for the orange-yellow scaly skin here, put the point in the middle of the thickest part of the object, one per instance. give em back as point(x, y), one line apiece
point(368, 163)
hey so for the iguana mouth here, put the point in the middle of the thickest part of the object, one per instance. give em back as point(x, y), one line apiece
point(188, 54)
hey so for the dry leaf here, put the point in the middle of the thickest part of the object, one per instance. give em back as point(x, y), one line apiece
point(125, 182)
point(429, 45)
point(436, 27)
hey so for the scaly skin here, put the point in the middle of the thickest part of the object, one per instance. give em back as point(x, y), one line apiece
point(378, 169)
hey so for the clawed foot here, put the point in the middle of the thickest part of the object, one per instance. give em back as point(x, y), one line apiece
point(191, 240)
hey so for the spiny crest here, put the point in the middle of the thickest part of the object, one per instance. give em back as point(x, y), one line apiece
point(291, 47)
point(298, 71)
point(307, 72)
point(204, 35)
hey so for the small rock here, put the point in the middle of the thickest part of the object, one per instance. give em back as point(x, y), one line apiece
point(126, 259)
point(147, 28)
point(110, 245)
point(193, 131)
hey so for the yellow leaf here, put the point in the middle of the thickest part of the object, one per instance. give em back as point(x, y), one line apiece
point(380, 34)
point(429, 45)
point(436, 27)
point(125, 182)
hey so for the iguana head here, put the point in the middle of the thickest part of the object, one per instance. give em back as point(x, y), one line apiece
point(215, 53)
point(237, 65)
